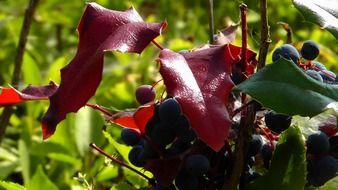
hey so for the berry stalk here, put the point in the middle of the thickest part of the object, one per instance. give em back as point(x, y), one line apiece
point(150, 180)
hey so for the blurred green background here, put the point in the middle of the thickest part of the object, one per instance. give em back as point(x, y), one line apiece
point(65, 161)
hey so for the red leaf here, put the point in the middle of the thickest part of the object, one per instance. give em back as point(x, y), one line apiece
point(12, 96)
point(135, 120)
point(99, 30)
point(201, 83)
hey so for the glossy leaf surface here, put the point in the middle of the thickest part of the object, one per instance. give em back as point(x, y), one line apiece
point(201, 83)
point(285, 88)
point(100, 30)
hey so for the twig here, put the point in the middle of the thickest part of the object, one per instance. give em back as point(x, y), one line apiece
point(241, 148)
point(100, 109)
point(8, 110)
point(244, 58)
point(265, 35)
point(211, 22)
point(288, 30)
point(236, 111)
point(157, 45)
point(150, 180)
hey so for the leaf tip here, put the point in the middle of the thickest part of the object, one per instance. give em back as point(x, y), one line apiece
point(48, 125)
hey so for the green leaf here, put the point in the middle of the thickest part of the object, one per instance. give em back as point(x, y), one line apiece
point(88, 125)
point(323, 13)
point(11, 186)
point(121, 186)
point(311, 125)
point(285, 88)
point(122, 149)
point(45, 148)
point(76, 162)
point(107, 173)
point(331, 184)
point(40, 181)
point(24, 159)
point(288, 164)
point(30, 70)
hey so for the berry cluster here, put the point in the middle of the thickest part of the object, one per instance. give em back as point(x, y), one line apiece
point(167, 135)
point(322, 165)
point(309, 51)
point(322, 151)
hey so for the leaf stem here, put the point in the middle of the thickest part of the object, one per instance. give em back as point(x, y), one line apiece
point(150, 180)
point(157, 45)
point(8, 110)
point(265, 35)
point(244, 58)
point(100, 109)
point(211, 22)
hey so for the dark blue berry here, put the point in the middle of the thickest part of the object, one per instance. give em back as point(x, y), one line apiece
point(163, 134)
point(321, 170)
point(130, 137)
point(169, 110)
point(134, 156)
point(197, 164)
point(327, 75)
point(185, 181)
point(277, 122)
point(317, 143)
point(314, 74)
point(310, 50)
point(288, 52)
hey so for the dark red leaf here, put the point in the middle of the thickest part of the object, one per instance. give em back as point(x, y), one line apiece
point(201, 83)
point(164, 170)
point(135, 120)
point(99, 30)
point(12, 96)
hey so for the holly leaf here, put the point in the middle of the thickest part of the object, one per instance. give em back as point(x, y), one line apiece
point(100, 30)
point(9, 96)
point(323, 13)
point(201, 83)
point(285, 88)
point(287, 169)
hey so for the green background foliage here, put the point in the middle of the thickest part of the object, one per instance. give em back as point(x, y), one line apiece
point(65, 161)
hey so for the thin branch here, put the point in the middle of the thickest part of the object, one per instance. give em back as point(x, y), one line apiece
point(242, 144)
point(244, 58)
point(265, 35)
point(157, 45)
point(211, 22)
point(150, 180)
point(8, 110)
point(288, 30)
point(100, 109)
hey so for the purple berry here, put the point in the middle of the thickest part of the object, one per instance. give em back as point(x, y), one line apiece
point(145, 94)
